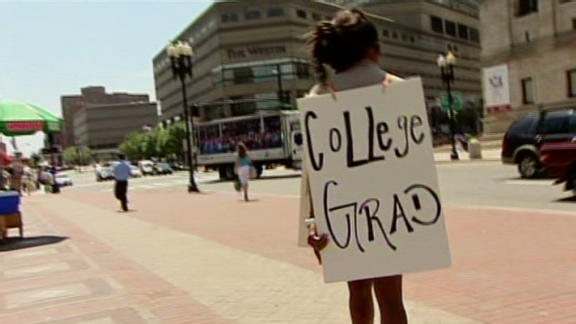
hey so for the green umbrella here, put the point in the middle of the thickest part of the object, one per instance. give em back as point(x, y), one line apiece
point(20, 118)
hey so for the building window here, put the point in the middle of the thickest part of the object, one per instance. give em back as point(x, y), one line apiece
point(252, 14)
point(275, 12)
point(573, 23)
point(412, 39)
point(229, 17)
point(474, 35)
point(243, 75)
point(571, 83)
point(526, 7)
point(463, 32)
point(395, 35)
point(385, 33)
point(437, 24)
point(316, 17)
point(301, 14)
point(303, 71)
point(527, 91)
point(450, 27)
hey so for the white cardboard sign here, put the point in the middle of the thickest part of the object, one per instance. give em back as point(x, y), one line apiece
point(370, 162)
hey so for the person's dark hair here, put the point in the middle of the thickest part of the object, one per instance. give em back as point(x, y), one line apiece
point(242, 150)
point(121, 157)
point(342, 42)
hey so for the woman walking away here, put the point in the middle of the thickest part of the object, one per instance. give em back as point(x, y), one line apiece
point(349, 45)
point(243, 165)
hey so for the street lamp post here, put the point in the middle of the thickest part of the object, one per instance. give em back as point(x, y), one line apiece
point(446, 64)
point(278, 73)
point(180, 54)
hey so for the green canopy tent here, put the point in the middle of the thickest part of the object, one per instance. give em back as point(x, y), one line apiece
point(19, 118)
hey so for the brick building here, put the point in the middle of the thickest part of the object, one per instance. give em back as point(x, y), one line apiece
point(90, 96)
point(104, 127)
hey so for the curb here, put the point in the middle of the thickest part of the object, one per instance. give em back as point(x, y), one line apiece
point(489, 160)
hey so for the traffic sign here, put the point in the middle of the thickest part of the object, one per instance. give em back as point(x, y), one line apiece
point(457, 101)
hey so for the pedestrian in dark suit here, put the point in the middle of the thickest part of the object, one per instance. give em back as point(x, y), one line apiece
point(122, 173)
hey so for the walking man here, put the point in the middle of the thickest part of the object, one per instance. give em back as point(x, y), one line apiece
point(121, 175)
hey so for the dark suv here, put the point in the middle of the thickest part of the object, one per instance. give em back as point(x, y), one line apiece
point(526, 135)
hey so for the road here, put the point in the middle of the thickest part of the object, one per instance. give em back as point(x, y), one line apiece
point(483, 184)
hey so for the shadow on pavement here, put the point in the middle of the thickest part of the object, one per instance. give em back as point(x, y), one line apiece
point(13, 244)
point(264, 178)
point(571, 199)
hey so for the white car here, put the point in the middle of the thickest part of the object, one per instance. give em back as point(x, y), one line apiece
point(135, 172)
point(64, 180)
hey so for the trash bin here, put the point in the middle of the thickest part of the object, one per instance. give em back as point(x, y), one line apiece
point(474, 149)
point(9, 202)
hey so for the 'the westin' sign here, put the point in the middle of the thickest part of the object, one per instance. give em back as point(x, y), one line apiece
point(254, 51)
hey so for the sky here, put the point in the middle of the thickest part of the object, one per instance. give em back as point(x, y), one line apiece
point(53, 48)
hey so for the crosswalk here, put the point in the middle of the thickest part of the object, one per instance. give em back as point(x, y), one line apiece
point(151, 186)
point(86, 182)
point(147, 183)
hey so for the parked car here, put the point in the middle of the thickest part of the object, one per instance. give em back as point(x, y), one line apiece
point(135, 172)
point(163, 168)
point(523, 139)
point(177, 166)
point(147, 167)
point(105, 172)
point(64, 180)
point(559, 159)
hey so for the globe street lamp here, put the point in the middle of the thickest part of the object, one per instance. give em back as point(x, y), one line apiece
point(446, 64)
point(181, 54)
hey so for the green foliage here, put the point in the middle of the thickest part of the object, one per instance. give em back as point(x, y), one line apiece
point(157, 143)
point(77, 155)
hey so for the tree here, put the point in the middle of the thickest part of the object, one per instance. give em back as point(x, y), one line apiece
point(77, 155)
point(159, 143)
point(132, 146)
point(176, 137)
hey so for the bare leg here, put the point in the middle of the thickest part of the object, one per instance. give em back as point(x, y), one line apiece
point(245, 189)
point(361, 304)
point(389, 296)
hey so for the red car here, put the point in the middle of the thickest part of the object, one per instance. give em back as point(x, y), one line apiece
point(559, 159)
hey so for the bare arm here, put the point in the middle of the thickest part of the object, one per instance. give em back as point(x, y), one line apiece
point(391, 78)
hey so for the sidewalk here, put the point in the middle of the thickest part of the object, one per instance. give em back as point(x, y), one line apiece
point(489, 155)
point(209, 258)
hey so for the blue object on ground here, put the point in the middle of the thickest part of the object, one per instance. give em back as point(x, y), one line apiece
point(9, 202)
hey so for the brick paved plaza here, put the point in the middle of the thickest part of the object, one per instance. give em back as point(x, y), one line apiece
point(210, 258)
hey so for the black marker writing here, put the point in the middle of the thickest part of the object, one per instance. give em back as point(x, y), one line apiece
point(374, 216)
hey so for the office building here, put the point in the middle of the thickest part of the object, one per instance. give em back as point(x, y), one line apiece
point(250, 55)
point(103, 128)
point(529, 59)
point(89, 96)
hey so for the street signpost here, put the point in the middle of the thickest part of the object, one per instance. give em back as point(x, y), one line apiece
point(457, 101)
